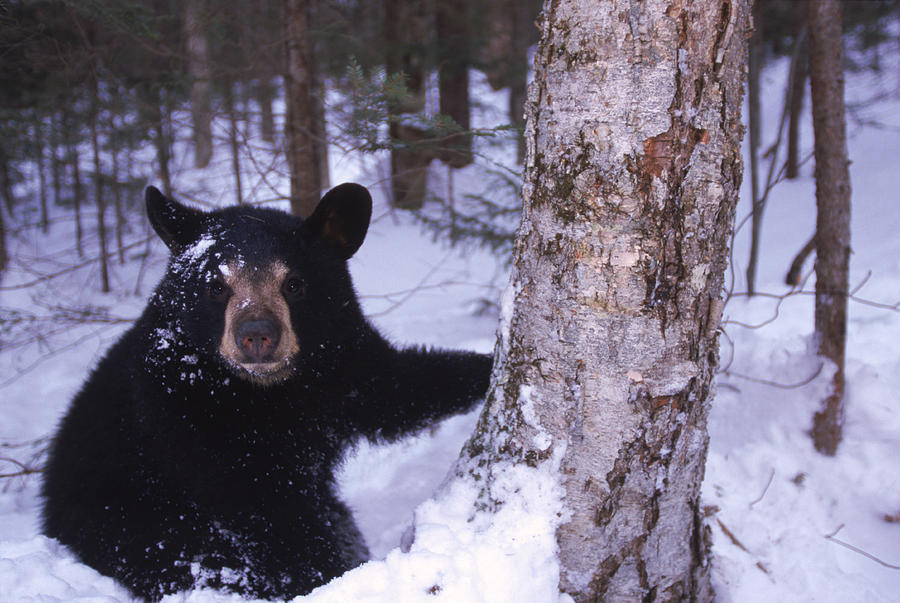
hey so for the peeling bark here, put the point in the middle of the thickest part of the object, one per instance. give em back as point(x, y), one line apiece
point(608, 351)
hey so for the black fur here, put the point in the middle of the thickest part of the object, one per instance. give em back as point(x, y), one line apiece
point(171, 471)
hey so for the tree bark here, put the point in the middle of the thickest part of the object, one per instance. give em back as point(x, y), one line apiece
point(299, 126)
point(607, 352)
point(198, 69)
point(826, 72)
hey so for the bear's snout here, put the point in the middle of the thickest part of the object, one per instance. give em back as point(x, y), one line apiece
point(257, 339)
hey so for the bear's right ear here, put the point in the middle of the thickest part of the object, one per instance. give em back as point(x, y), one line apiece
point(342, 218)
point(177, 225)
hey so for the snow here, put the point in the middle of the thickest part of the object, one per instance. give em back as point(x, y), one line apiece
point(780, 514)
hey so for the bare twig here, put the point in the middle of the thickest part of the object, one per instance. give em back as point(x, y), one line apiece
point(793, 276)
point(893, 307)
point(406, 294)
point(740, 545)
point(46, 356)
point(66, 270)
point(799, 384)
point(846, 545)
point(29, 467)
point(734, 540)
point(23, 468)
point(766, 489)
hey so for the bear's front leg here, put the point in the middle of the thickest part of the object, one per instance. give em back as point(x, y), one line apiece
point(424, 387)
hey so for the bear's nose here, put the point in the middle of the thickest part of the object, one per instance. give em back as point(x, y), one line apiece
point(257, 339)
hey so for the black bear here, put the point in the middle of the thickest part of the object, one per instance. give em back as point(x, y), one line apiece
point(201, 450)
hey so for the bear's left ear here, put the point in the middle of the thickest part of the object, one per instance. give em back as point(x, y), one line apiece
point(177, 225)
point(342, 218)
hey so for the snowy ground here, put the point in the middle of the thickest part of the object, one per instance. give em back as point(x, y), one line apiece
point(780, 514)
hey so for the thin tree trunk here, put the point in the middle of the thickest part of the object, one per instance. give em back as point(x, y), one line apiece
point(798, 93)
point(755, 61)
point(199, 71)
point(794, 273)
point(6, 192)
point(523, 33)
point(319, 131)
point(40, 147)
point(265, 95)
point(406, 30)
point(161, 140)
point(453, 78)
point(6, 183)
point(826, 72)
point(299, 127)
point(524, 36)
point(98, 186)
point(267, 62)
point(116, 181)
point(4, 255)
point(510, 34)
point(607, 353)
point(77, 190)
point(55, 161)
point(233, 141)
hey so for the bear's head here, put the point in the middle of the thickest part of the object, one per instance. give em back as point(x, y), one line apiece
point(259, 291)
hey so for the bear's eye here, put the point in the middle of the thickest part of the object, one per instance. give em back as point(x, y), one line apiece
point(293, 288)
point(218, 291)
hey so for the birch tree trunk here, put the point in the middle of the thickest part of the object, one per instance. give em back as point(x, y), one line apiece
point(609, 340)
point(826, 74)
